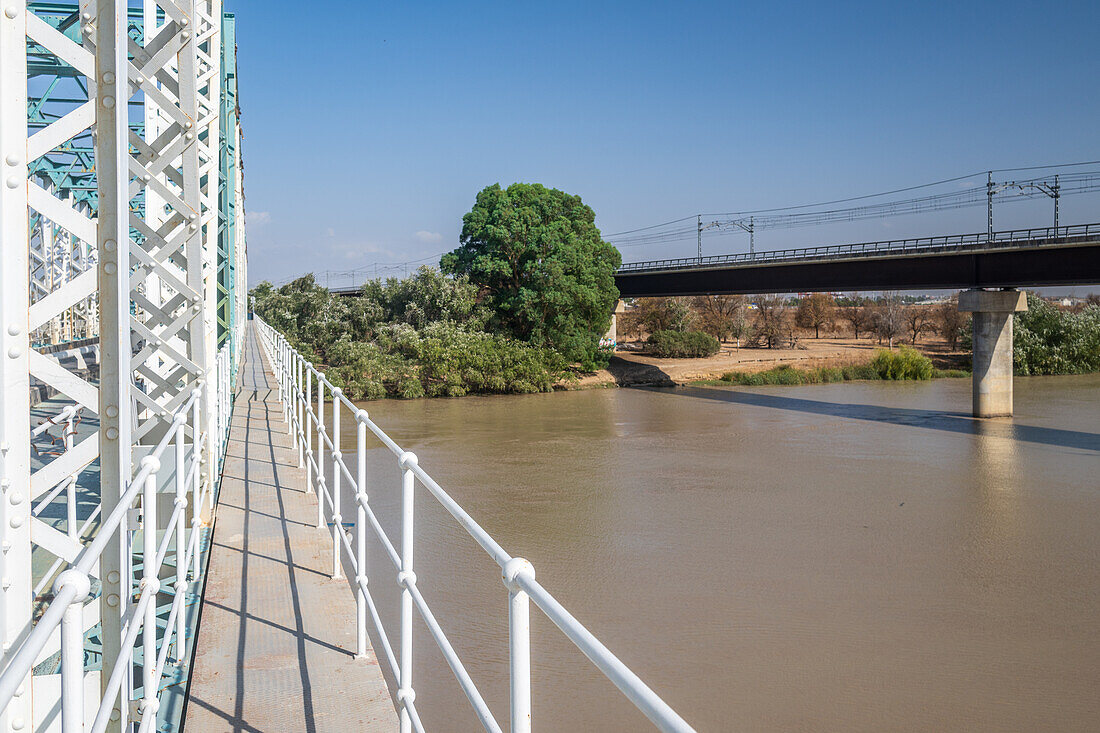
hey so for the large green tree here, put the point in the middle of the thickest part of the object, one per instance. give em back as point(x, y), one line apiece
point(542, 267)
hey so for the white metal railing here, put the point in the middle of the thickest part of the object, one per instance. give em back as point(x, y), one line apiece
point(72, 586)
point(306, 420)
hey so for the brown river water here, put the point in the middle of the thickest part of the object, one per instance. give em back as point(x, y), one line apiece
point(850, 557)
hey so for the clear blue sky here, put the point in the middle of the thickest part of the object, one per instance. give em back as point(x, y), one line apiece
point(369, 126)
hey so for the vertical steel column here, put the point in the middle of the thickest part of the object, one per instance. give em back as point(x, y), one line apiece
point(113, 244)
point(406, 578)
point(15, 452)
point(361, 535)
point(337, 480)
point(205, 53)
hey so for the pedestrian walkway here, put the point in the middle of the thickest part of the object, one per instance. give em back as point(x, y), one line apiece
point(276, 636)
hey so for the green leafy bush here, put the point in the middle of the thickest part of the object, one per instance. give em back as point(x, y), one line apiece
point(421, 336)
point(683, 344)
point(905, 363)
point(1048, 340)
point(787, 374)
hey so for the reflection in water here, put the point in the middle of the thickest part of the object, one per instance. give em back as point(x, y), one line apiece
point(838, 557)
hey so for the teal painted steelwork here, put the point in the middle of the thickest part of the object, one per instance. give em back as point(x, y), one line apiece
point(227, 187)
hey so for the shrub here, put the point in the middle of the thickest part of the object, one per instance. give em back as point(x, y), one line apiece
point(787, 374)
point(905, 363)
point(1048, 340)
point(683, 344)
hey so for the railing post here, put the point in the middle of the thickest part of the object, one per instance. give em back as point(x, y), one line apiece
point(519, 643)
point(337, 476)
point(181, 536)
point(308, 428)
point(298, 429)
point(405, 578)
point(149, 584)
point(288, 377)
point(72, 651)
point(196, 479)
point(320, 454)
point(70, 493)
point(361, 535)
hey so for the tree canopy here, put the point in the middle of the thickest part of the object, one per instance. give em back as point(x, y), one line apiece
point(542, 267)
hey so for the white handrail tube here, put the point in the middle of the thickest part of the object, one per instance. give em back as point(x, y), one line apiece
point(517, 573)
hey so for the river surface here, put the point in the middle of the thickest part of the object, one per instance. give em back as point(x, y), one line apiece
point(859, 556)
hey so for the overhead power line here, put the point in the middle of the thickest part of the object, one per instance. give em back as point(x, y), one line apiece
point(1051, 185)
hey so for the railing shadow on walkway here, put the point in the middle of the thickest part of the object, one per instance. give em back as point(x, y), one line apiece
point(254, 403)
point(955, 422)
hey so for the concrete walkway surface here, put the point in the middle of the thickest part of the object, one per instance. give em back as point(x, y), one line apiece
point(276, 636)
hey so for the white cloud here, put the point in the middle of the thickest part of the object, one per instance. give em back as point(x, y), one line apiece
point(428, 237)
point(258, 217)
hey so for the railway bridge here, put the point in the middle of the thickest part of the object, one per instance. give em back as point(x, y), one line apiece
point(988, 267)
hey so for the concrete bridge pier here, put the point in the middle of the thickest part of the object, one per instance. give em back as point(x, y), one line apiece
point(992, 328)
point(613, 331)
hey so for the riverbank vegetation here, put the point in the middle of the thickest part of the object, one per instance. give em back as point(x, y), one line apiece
point(890, 365)
point(683, 344)
point(425, 335)
point(519, 307)
point(1051, 340)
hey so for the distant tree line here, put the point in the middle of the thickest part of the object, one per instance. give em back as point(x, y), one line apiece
point(770, 321)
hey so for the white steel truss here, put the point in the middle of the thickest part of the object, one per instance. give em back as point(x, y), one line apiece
point(109, 218)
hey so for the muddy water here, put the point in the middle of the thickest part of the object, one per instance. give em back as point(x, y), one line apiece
point(840, 557)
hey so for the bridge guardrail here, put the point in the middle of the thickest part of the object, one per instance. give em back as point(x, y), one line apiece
point(921, 245)
point(305, 416)
point(73, 584)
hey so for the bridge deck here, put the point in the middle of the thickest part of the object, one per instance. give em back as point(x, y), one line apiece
point(276, 635)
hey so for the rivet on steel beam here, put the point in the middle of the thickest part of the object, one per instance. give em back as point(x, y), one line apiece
point(112, 600)
point(109, 245)
point(15, 352)
point(13, 329)
point(108, 102)
point(16, 522)
point(16, 723)
point(11, 11)
point(16, 499)
point(110, 268)
point(108, 77)
point(13, 182)
point(112, 411)
point(12, 159)
point(112, 433)
point(112, 576)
